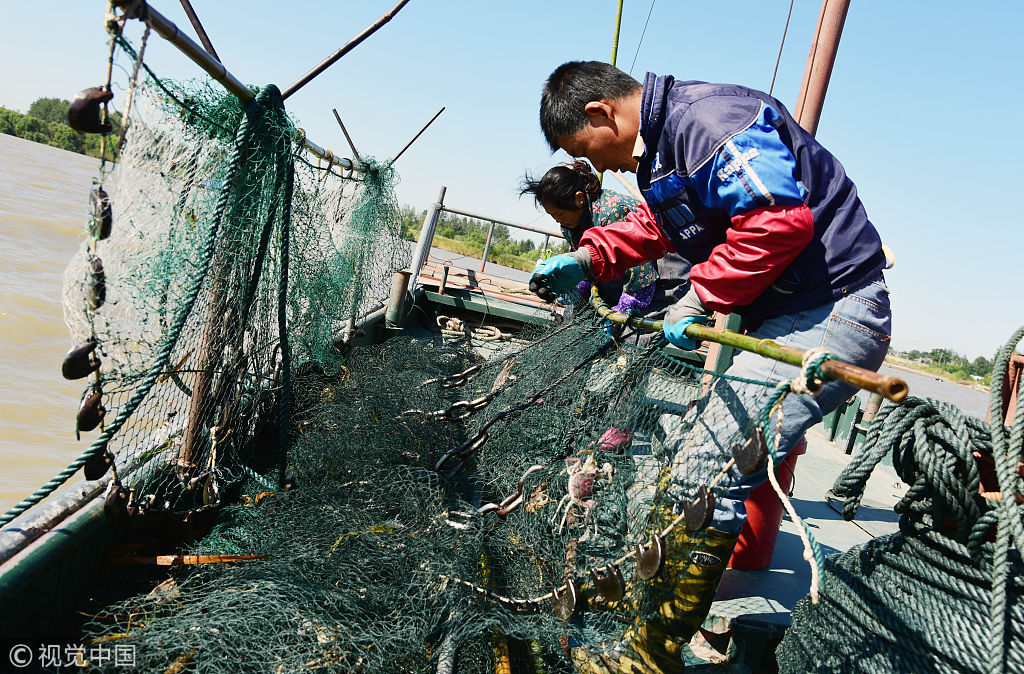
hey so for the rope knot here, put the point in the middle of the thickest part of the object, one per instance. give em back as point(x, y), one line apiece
point(811, 378)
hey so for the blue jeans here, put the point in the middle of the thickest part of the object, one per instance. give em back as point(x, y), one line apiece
point(855, 329)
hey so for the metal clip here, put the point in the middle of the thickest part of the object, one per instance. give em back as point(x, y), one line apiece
point(650, 557)
point(455, 380)
point(565, 602)
point(84, 111)
point(751, 455)
point(461, 453)
point(91, 411)
point(515, 500)
point(697, 514)
point(102, 214)
point(609, 582)
point(97, 283)
point(98, 465)
point(80, 361)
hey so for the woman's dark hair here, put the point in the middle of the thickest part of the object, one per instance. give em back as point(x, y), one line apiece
point(560, 184)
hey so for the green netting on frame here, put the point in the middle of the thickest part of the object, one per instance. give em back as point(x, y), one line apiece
point(231, 261)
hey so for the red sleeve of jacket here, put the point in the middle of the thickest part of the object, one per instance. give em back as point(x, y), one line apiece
point(617, 247)
point(758, 247)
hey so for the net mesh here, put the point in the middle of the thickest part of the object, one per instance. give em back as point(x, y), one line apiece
point(448, 487)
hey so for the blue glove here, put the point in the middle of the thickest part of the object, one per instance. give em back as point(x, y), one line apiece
point(682, 315)
point(676, 332)
point(556, 276)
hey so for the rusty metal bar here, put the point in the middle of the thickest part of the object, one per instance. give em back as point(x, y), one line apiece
point(346, 48)
point(822, 57)
point(200, 31)
point(400, 152)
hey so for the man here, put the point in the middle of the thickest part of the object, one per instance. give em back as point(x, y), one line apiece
point(775, 232)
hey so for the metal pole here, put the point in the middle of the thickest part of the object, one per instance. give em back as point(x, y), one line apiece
point(400, 152)
point(422, 250)
point(352, 145)
point(507, 223)
point(396, 303)
point(822, 57)
point(170, 32)
point(349, 46)
point(200, 31)
point(487, 246)
point(167, 30)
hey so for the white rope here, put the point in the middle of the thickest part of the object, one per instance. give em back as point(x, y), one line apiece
point(804, 384)
point(783, 497)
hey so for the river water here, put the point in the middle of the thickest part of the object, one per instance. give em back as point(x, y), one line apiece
point(44, 198)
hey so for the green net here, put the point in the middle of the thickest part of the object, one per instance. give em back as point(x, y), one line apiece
point(462, 504)
point(222, 234)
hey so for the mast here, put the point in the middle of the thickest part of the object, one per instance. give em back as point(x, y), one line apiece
point(822, 57)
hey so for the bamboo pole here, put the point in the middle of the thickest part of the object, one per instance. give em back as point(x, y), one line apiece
point(400, 152)
point(200, 31)
point(346, 48)
point(893, 388)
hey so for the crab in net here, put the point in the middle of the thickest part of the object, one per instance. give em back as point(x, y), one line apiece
point(583, 477)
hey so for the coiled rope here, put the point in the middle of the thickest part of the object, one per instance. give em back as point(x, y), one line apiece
point(943, 594)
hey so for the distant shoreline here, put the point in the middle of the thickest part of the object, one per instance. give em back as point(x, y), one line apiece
point(925, 373)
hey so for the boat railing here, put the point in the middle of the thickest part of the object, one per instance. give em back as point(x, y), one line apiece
point(433, 218)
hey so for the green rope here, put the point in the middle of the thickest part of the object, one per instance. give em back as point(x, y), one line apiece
point(939, 595)
point(164, 355)
point(282, 315)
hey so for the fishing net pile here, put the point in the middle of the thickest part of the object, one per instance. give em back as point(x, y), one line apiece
point(453, 512)
point(946, 592)
point(434, 526)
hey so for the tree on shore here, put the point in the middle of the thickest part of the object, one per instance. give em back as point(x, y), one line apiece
point(46, 122)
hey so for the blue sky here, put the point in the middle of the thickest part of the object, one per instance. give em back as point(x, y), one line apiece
point(921, 108)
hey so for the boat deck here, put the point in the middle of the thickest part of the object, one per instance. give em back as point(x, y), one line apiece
point(753, 607)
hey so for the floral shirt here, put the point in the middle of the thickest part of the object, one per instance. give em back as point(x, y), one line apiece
point(609, 207)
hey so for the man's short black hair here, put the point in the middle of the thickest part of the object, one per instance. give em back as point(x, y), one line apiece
point(570, 87)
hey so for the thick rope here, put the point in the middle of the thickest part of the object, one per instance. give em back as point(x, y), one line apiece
point(940, 595)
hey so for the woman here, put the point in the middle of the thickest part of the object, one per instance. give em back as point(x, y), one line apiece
point(572, 195)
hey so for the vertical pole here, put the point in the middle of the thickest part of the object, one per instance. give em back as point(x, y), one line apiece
point(822, 57)
point(615, 54)
point(396, 302)
point(547, 239)
point(422, 250)
point(615, 40)
point(719, 356)
point(444, 280)
point(487, 246)
point(871, 409)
